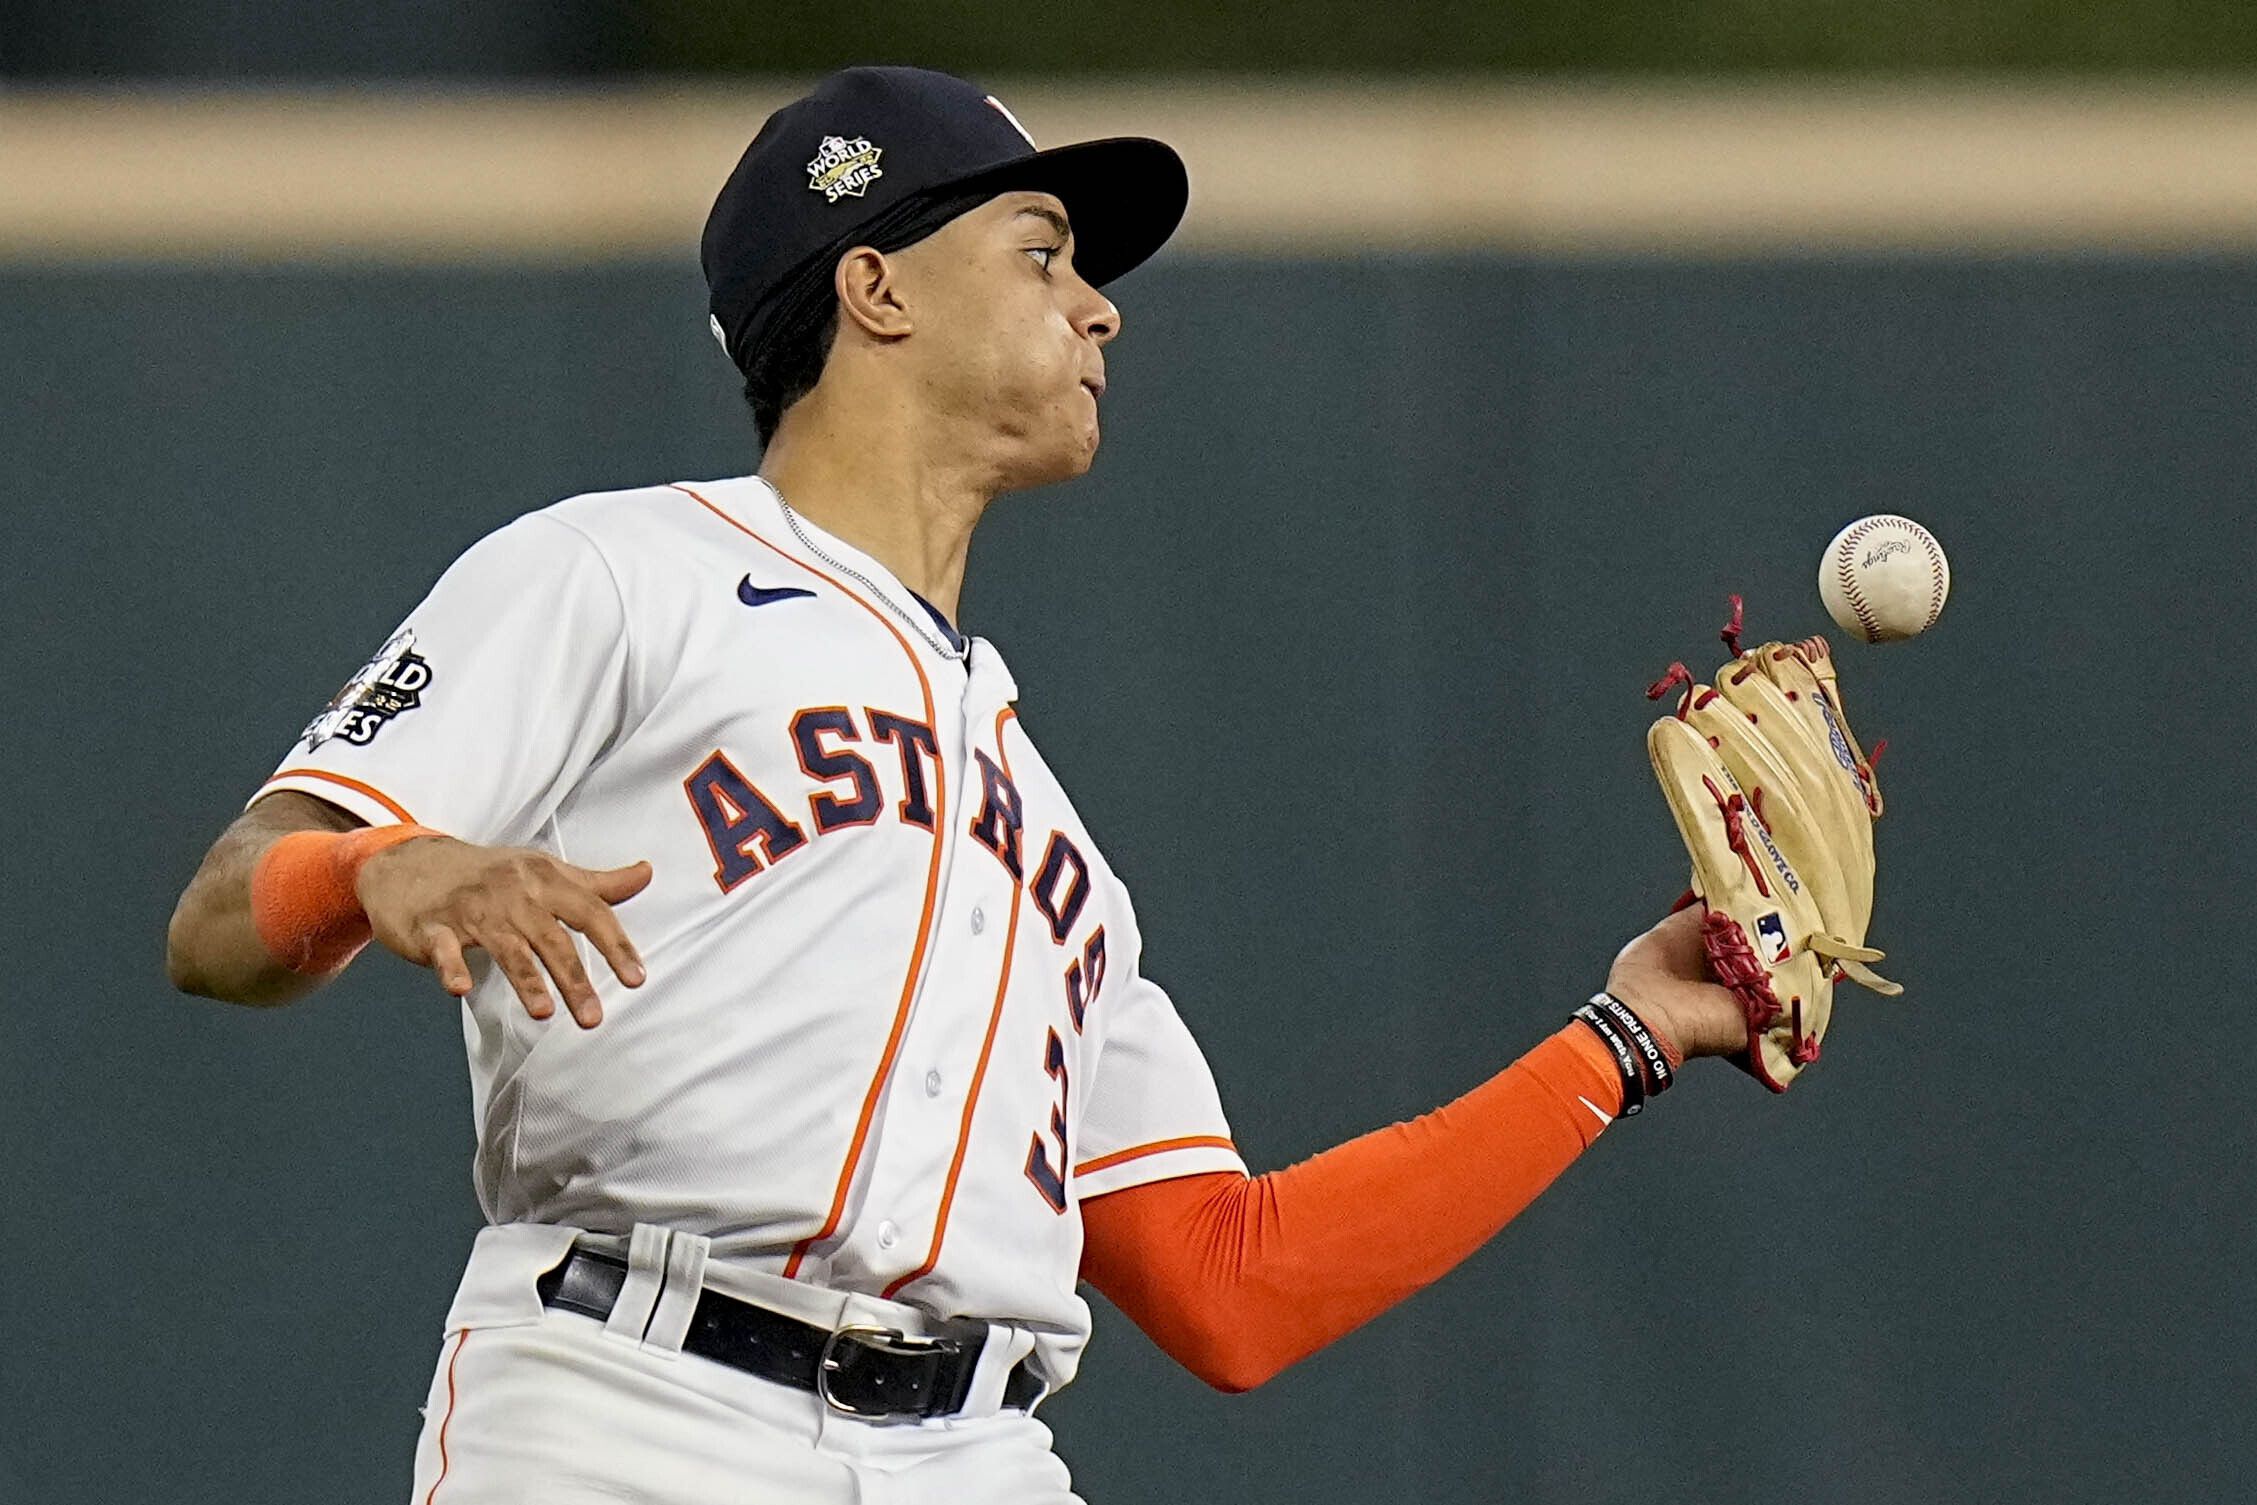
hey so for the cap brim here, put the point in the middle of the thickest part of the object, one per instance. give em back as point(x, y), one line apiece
point(1124, 196)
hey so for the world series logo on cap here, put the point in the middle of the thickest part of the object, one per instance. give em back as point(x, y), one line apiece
point(843, 168)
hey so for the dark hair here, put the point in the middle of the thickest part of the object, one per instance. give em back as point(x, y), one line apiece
point(787, 370)
point(790, 360)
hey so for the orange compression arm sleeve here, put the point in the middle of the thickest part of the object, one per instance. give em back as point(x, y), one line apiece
point(1236, 1278)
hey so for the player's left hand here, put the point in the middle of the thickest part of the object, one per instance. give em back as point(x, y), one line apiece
point(1663, 977)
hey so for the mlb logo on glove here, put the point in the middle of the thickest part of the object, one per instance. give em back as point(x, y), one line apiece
point(1771, 935)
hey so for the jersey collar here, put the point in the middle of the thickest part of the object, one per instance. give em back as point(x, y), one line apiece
point(956, 640)
point(851, 569)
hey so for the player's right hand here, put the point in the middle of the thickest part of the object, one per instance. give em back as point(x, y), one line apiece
point(1663, 976)
point(433, 898)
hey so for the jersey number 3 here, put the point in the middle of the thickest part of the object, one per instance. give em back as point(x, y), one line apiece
point(1051, 1182)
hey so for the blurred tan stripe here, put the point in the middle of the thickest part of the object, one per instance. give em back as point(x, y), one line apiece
point(1338, 166)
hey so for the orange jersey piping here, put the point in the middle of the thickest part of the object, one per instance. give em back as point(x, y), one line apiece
point(924, 921)
point(355, 785)
point(979, 1072)
point(1157, 1147)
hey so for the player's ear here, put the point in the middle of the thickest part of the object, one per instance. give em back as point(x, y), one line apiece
point(869, 293)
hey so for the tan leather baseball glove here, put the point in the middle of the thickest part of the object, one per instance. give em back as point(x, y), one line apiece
point(1776, 802)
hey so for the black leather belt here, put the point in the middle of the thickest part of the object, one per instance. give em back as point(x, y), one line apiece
point(866, 1370)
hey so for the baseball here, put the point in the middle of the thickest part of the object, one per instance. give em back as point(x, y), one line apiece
point(1884, 578)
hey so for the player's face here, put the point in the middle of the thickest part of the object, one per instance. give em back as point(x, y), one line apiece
point(1008, 338)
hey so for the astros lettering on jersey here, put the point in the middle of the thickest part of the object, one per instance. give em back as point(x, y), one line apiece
point(895, 1026)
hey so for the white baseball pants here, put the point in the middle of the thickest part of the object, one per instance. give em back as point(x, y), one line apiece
point(554, 1412)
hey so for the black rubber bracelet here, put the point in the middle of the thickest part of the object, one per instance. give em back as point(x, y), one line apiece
point(1658, 1074)
point(1625, 1058)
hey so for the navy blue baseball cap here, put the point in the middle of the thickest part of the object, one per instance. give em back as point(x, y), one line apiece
point(886, 156)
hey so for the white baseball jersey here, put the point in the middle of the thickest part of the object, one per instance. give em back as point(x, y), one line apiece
point(894, 1026)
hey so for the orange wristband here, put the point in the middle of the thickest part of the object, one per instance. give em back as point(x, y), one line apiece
point(304, 900)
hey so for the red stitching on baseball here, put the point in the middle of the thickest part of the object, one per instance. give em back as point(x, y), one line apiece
point(1845, 556)
point(1936, 585)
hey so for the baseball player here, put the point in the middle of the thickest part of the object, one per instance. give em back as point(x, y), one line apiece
point(861, 1072)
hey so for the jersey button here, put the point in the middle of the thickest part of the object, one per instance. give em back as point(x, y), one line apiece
point(979, 920)
point(932, 1084)
point(888, 1235)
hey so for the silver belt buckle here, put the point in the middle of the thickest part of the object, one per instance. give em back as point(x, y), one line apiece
point(868, 1335)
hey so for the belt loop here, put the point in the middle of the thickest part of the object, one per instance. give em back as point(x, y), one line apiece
point(646, 1274)
point(677, 1298)
point(1004, 1347)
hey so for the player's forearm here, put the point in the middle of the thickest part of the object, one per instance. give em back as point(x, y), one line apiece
point(1237, 1279)
point(212, 946)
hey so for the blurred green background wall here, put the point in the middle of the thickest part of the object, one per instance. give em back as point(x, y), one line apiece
point(1339, 650)
point(594, 38)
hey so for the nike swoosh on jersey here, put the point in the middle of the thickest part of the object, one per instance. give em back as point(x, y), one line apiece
point(1604, 1117)
point(755, 595)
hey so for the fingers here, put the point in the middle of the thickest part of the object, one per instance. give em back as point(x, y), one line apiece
point(557, 953)
point(594, 919)
point(516, 910)
point(518, 962)
point(531, 951)
point(615, 885)
point(445, 950)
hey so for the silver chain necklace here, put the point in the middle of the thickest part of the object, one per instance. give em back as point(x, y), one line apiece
point(923, 629)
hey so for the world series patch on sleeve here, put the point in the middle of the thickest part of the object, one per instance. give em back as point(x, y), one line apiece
point(1775, 802)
